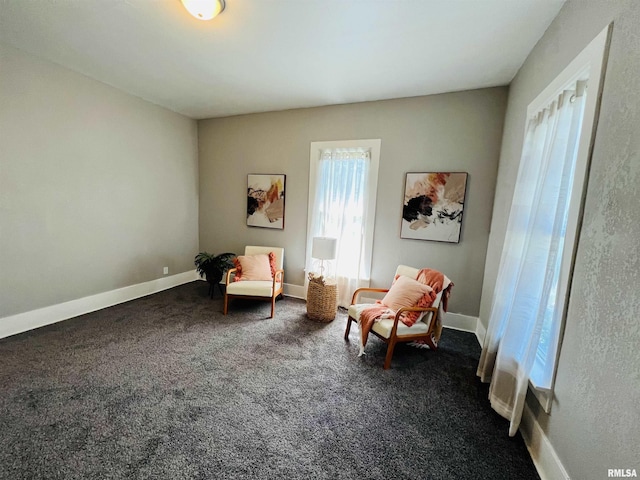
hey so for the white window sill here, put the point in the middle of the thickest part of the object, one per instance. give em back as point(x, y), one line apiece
point(544, 396)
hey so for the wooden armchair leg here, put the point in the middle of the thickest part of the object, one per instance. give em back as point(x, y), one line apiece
point(387, 360)
point(273, 306)
point(431, 343)
point(348, 329)
point(226, 303)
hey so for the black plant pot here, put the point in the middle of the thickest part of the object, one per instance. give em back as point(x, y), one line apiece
point(214, 278)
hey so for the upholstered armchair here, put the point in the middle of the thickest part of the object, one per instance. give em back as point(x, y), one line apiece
point(411, 310)
point(258, 275)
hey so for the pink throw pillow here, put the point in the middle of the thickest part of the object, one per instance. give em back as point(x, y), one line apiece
point(407, 292)
point(254, 267)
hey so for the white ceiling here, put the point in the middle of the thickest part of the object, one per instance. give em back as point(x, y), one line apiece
point(263, 55)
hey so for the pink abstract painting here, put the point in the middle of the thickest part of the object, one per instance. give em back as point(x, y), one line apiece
point(433, 206)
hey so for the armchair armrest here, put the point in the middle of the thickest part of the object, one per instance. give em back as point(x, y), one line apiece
point(278, 273)
point(410, 309)
point(229, 272)
point(366, 289)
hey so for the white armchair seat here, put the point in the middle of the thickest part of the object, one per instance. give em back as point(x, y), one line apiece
point(261, 288)
point(384, 326)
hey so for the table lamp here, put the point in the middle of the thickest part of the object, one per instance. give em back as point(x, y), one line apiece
point(324, 248)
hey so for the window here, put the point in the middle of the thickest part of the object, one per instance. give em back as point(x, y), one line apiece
point(544, 196)
point(342, 197)
point(531, 296)
point(566, 142)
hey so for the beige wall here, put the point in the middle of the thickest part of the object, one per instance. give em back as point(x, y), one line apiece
point(451, 132)
point(595, 419)
point(98, 189)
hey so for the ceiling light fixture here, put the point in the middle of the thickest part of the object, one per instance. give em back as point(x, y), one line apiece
point(204, 9)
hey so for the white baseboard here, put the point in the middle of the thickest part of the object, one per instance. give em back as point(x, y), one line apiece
point(481, 332)
point(22, 322)
point(458, 321)
point(295, 291)
point(542, 452)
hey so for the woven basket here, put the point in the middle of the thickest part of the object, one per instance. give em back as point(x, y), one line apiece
point(322, 301)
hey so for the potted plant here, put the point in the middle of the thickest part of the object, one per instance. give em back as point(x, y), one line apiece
point(213, 267)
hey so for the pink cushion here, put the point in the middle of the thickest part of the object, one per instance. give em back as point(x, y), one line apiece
point(407, 292)
point(254, 267)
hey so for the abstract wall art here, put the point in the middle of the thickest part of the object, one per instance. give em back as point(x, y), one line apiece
point(265, 201)
point(433, 205)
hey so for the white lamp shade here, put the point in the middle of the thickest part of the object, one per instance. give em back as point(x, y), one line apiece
point(324, 248)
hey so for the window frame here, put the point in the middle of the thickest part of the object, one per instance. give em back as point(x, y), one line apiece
point(591, 64)
point(315, 150)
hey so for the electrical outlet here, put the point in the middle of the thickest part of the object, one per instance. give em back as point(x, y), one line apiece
point(165, 270)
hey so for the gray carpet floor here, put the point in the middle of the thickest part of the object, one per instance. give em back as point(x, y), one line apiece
point(167, 387)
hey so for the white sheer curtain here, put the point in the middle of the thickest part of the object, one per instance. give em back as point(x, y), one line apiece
point(340, 211)
point(524, 297)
